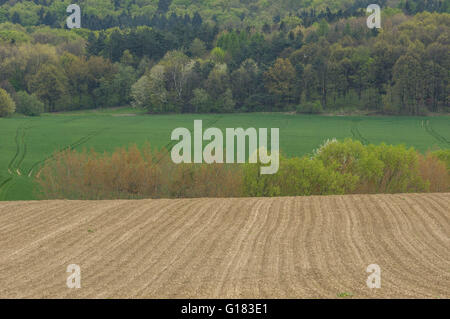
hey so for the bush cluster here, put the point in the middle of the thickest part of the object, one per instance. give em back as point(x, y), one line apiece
point(28, 104)
point(337, 167)
point(349, 167)
point(7, 104)
point(132, 174)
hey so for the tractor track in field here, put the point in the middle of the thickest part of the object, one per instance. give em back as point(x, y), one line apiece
point(429, 129)
point(292, 247)
point(72, 146)
point(356, 133)
point(14, 165)
point(21, 150)
point(16, 139)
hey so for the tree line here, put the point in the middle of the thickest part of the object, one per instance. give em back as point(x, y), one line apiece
point(104, 14)
point(192, 64)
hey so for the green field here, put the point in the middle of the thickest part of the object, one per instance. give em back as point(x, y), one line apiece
point(27, 142)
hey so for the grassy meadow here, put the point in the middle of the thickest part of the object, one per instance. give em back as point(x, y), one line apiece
point(26, 142)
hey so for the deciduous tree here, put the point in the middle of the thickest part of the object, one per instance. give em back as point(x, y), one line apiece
point(7, 105)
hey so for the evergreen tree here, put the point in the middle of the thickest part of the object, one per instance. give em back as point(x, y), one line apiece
point(163, 5)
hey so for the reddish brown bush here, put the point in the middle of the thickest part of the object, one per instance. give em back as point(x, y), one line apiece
point(434, 171)
point(133, 174)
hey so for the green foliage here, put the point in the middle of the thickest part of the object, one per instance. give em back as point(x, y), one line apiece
point(3, 15)
point(48, 35)
point(345, 295)
point(117, 90)
point(140, 93)
point(400, 169)
point(50, 86)
point(10, 33)
point(164, 88)
point(383, 168)
point(27, 12)
point(198, 48)
point(310, 56)
point(340, 168)
point(225, 102)
point(314, 107)
point(323, 28)
point(7, 105)
point(28, 104)
point(201, 101)
point(280, 80)
point(297, 177)
point(218, 55)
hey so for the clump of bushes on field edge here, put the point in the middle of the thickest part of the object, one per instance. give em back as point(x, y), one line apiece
point(132, 174)
point(444, 156)
point(337, 167)
point(349, 167)
point(7, 105)
point(314, 107)
point(28, 104)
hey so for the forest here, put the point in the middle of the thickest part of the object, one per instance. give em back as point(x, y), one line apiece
point(181, 56)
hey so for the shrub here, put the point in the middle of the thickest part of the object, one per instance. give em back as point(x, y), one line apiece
point(297, 177)
point(7, 105)
point(132, 174)
point(435, 173)
point(444, 156)
point(310, 108)
point(29, 104)
point(343, 168)
point(352, 157)
point(196, 180)
point(381, 168)
point(346, 167)
point(400, 169)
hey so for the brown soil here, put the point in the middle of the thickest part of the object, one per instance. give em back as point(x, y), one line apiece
point(304, 247)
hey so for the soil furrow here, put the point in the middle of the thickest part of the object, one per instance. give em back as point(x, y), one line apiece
point(299, 247)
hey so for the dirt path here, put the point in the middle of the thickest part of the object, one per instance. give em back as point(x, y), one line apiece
point(304, 247)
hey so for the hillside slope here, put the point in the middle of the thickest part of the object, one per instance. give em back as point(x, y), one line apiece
point(251, 248)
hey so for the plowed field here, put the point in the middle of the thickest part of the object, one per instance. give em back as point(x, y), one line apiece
point(303, 247)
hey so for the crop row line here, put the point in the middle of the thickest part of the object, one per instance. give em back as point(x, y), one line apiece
point(429, 129)
point(73, 145)
point(357, 134)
